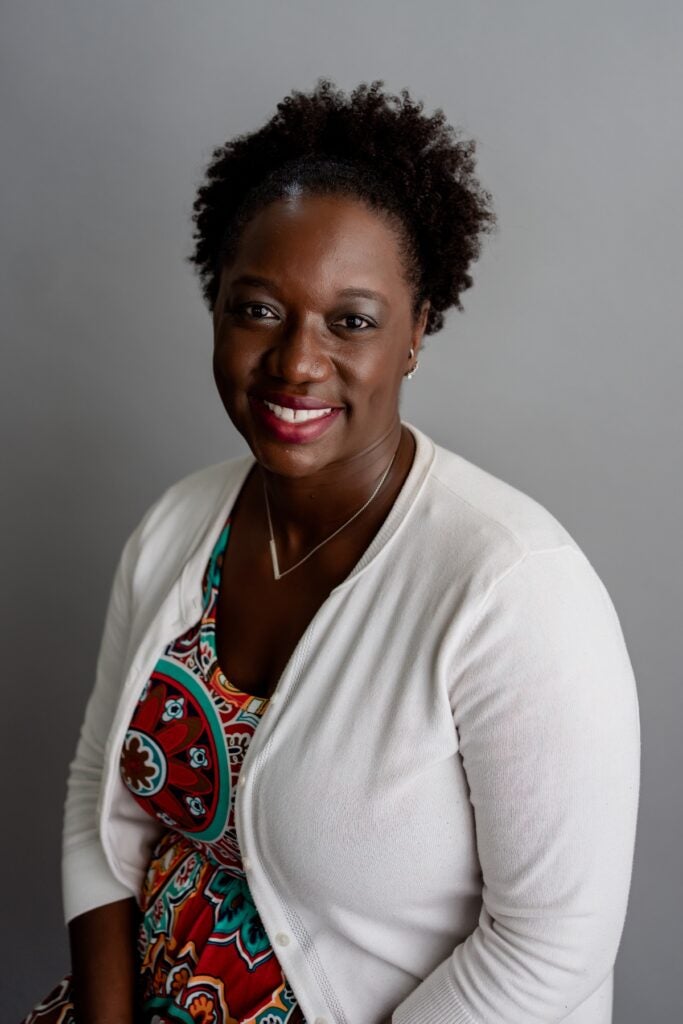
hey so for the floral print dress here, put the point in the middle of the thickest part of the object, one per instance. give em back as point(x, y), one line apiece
point(204, 955)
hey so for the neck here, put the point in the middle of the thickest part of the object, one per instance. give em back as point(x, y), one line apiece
point(306, 510)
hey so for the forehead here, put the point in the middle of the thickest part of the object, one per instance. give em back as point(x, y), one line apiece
point(326, 241)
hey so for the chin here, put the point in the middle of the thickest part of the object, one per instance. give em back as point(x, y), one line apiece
point(293, 461)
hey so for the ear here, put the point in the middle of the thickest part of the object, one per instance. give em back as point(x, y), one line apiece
point(420, 325)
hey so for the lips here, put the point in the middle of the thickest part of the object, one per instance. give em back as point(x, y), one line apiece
point(287, 401)
point(294, 423)
point(288, 415)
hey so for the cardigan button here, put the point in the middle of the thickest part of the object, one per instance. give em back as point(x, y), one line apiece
point(320, 1020)
point(282, 939)
point(246, 863)
point(242, 779)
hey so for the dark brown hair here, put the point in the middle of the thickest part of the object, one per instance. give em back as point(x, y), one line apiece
point(378, 147)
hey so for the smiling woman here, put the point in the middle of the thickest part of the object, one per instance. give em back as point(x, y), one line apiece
point(363, 742)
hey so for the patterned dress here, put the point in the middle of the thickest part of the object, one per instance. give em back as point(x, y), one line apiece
point(204, 955)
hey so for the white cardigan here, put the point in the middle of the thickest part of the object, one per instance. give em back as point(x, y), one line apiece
point(437, 811)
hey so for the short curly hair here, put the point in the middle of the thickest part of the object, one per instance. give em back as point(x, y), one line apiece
point(373, 145)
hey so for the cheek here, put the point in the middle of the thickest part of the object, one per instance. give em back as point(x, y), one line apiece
point(232, 360)
point(222, 369)
point(378, 377)
point(227, 375)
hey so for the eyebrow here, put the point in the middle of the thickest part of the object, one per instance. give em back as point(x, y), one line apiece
point(265, 282)
point(257, 281)
point(362, 293)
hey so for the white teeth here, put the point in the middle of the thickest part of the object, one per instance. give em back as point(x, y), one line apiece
point(283, 412)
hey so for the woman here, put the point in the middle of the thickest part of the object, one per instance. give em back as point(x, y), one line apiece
point(363, 743)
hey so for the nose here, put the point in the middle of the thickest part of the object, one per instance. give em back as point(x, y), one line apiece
point(298, 354)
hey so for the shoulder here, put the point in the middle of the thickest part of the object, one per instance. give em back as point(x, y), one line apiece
point(177, 520)
point(532, 601)
point(474, 495)
point(483, 522)
point(194, 496)
point(481, 529)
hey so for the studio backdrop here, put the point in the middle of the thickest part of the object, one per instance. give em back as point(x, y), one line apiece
point(562, 374)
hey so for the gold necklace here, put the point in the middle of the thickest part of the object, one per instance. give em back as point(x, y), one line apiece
point(273, 551)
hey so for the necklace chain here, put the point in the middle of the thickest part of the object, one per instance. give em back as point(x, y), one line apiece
point(273, 551)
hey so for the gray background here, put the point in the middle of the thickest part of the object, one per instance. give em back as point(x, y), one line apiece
point(563, 375)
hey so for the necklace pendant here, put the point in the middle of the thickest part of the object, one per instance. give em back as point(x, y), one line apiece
point(273, 558)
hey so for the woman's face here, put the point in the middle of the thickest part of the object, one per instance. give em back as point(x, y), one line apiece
point(315, 309)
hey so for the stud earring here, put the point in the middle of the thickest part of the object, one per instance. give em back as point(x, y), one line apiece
point(411, 373)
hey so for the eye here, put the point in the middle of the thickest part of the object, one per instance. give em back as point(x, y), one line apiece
point(362, 323)
point(258, 311)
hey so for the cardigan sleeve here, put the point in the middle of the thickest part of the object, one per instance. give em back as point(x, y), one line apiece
point(546, 711)
point(87, 879)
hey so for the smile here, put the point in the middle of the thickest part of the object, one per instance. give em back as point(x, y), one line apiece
point(283, 412)
point(293, 426)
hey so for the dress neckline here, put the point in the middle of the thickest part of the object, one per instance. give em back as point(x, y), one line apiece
point(207, 624)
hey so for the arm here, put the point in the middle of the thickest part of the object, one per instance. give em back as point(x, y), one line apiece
point(87, 880)
point(546, 711)
point(100, 911)
point(104, 970)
